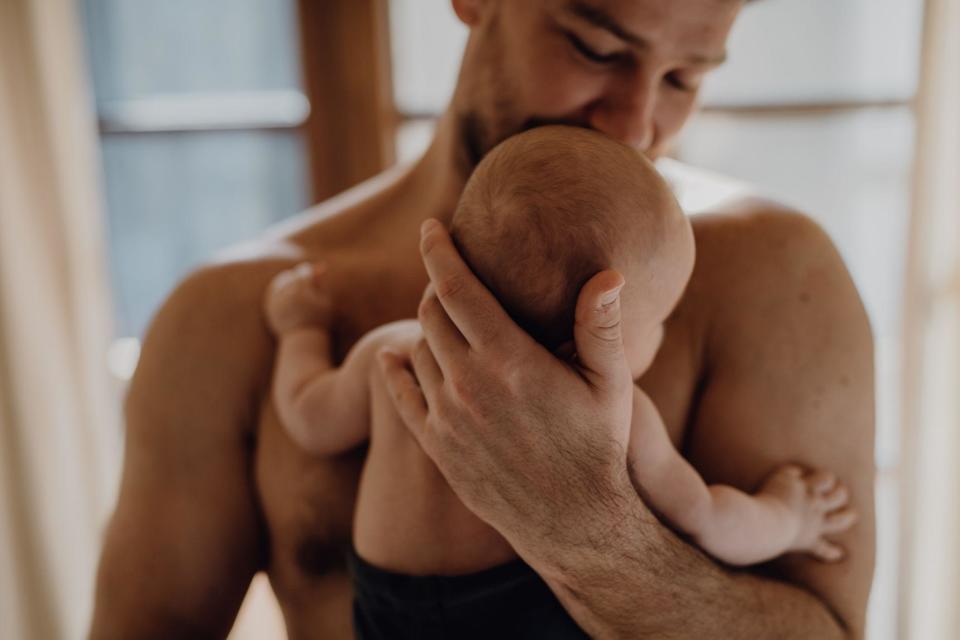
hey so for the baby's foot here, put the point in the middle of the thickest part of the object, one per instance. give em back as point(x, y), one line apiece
point(818, 505)
point(296, 298)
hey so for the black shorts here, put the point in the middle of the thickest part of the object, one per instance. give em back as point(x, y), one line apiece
point(505, 602)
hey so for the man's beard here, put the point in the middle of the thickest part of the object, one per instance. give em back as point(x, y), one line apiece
point(479, 137)
point(492, 113)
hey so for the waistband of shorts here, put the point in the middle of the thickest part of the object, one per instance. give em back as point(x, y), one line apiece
point(515, 578)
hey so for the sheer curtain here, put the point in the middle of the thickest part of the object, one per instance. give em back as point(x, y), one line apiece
point(58, 424)
point(931, 501)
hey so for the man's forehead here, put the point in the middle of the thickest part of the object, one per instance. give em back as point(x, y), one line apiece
point(701, 25)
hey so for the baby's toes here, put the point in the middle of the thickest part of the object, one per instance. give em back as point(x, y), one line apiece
point(839, 521)
point(827, 551)
point(834, 499)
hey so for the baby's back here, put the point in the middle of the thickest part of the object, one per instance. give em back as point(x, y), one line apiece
point(408, 520)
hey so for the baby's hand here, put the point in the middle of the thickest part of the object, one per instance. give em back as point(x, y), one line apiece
point(818, 505)
point(297, 298)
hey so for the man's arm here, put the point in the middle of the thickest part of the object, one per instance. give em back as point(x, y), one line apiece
point(186, 536)
point(789, 362)
point(792, 511)
point(788, 358)
point(568, 507)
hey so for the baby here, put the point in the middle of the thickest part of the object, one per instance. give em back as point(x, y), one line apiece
point(542, 213)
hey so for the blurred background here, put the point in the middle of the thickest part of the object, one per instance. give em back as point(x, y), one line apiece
point(137, 138)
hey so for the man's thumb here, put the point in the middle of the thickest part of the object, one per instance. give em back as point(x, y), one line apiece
point(597, 330)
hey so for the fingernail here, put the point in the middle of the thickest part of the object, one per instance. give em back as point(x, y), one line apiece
point(427, 225)
point(610, 296)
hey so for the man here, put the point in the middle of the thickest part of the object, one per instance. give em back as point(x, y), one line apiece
point(767, 359)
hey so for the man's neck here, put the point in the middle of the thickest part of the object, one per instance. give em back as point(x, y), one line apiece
point(439, 176)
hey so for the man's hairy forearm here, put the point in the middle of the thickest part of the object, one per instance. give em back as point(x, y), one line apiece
point(634, 578)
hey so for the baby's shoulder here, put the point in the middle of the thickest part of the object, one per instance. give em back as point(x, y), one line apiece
point(401, 335)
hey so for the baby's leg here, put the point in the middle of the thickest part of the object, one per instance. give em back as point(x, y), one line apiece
point(790, 513)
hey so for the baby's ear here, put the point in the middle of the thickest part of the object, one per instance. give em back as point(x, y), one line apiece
point(566, 351)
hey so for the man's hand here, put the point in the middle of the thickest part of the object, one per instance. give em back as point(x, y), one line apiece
point(531, 444)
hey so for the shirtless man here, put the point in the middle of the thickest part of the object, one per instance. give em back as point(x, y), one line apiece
point(542, 213)
point(767, 357)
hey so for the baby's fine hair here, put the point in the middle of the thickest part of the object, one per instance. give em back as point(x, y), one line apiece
point(547, 209)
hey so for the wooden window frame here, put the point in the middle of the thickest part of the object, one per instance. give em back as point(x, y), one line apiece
point(347, 75)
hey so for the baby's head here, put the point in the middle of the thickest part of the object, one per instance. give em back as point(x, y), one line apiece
point(549, 208)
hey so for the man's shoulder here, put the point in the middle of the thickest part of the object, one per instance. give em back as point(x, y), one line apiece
point(209, 337)
point(764, 268)
point(213, 322)
point(753, 241)
point(229, 287)
point(226, 291)
point(739, 231)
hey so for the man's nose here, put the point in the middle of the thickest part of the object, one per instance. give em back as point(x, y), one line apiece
point(625, 113)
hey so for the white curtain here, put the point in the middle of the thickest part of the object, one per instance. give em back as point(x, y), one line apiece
point(59, 449)
point(930, 568)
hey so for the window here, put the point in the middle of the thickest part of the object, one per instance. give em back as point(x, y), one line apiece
point(200, 108)
point(209, 134)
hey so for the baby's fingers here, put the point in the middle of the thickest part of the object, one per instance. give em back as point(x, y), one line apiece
point(822, 481)
point(827, 551)
point(838, 497)
point(839, 521)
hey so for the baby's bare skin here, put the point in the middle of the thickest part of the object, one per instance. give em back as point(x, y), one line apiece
point(408, 520)
point(793, 511)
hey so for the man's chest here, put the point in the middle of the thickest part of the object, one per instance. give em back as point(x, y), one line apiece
point(673, 378)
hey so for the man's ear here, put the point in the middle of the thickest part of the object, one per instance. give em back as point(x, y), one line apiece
point(468, 11)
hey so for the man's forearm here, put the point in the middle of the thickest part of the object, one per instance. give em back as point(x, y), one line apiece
point(635, 578)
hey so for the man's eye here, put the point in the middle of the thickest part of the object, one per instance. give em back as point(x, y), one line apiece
point(590, 54)
point(677, 82)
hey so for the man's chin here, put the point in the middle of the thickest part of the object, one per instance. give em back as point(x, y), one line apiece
point(479, 140)
point(533, 123)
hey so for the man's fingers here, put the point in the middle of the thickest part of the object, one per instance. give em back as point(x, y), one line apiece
point(446, 342)
point(404, 390)
point(426, 370)
point(597, 330)
point(470, 306)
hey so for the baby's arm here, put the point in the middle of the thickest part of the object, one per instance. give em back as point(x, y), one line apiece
point(791, 512)
point(324, 409)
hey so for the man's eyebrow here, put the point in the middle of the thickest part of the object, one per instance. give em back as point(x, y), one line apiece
point(603, 20)
point(600, 18)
